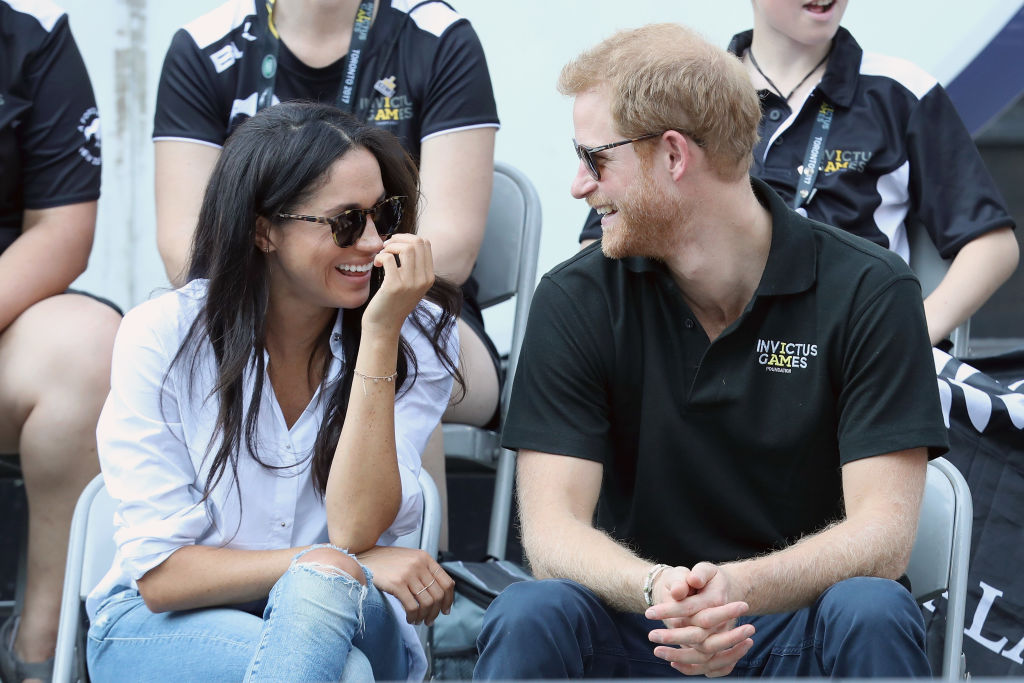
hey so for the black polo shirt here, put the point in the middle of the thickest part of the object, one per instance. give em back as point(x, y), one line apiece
point(725, 450)
point(896, 153)
point(49, 125)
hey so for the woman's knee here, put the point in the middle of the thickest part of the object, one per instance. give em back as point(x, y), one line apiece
point(331, 562)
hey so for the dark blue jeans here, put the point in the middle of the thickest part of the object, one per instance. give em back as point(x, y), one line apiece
point(858, 628)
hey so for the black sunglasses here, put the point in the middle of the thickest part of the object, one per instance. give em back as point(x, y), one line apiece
point(586, 154)
point(348, 225)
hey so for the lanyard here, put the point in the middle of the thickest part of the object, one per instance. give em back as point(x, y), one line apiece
point(812, 157)
point(270, 40)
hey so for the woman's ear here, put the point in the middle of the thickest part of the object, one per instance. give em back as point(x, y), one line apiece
point(262, 238)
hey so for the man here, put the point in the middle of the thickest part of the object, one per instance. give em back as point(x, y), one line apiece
point(722, 386)
point(55, 345)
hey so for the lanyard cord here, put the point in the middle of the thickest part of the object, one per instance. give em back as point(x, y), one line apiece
point(270, 42)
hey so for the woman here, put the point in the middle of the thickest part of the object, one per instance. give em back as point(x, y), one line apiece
point(420, 74)
point(279, 401)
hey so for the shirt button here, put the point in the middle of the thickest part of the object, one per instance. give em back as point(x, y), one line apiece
point(689, 323)
point(774, 115)
point(284, 524)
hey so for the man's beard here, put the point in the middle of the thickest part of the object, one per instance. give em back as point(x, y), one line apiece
point(648, 221)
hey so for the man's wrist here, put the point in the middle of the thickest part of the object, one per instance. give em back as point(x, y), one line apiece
point(652, 576)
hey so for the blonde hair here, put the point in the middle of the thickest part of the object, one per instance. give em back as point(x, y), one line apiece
point(667, 77)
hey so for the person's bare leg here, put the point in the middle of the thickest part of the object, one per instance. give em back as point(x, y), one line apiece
point(54, 377)
point(475, 408)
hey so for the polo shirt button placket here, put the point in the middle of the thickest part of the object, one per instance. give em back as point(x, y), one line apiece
point(689, 323)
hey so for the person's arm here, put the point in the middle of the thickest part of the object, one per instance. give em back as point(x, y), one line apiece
point(882, 496)
point(52, 250)
point(182, 171)
point(883, 499)
point(977, 271)
point(954, 196)
point(197, 576)
point(456, 173)
point(59, 175)
point(364, 487)
point(557, 498)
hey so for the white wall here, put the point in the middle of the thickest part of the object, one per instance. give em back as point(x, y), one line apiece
point(526, 41)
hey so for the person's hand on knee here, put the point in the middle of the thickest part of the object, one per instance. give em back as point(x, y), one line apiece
point(416, 579)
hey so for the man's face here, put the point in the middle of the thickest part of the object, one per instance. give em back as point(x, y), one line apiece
point(638, 214)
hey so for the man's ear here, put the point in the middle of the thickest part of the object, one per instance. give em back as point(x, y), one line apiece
point(679, 151)
point(262, 238)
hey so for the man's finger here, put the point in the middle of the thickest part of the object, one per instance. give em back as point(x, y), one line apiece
point(694, 605)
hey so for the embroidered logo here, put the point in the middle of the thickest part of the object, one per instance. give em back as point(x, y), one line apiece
point(782, 356)
point(842, 160)
point(89, 127)
point(385, 86)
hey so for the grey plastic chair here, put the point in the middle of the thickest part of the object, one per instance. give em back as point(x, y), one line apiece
point(930, 268)
point(506, 266)
point(939, 559)
point(91, 551)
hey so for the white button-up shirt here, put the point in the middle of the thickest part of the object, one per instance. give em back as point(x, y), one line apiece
point(156, 440)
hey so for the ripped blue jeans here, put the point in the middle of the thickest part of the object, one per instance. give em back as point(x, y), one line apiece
point(319, 624)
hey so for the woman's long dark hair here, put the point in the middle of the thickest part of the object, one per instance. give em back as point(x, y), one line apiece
point(269, 165)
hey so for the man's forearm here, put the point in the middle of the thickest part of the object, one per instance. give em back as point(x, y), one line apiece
point(589, 557)
point(794, 577)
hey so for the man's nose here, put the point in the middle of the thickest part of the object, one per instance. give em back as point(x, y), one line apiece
point(583, 183)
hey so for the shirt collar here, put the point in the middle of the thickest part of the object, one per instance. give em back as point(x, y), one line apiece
point(792, 257)
point(839, 84)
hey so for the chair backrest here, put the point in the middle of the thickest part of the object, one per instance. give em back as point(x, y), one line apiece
point(507, 263)
point(939, 559)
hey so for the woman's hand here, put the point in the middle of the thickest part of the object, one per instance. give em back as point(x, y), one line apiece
point(412, 576)
point(408, 274)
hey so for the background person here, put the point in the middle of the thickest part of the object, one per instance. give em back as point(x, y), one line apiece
point(895, 152)
point(280, 400)
point(54, 344)
point(723, 415)
point(420, 74)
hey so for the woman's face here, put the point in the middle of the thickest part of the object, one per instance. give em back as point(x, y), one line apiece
point(808, 22)
point(306, 267)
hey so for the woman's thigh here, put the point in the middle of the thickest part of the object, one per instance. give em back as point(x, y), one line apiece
point(127, 642)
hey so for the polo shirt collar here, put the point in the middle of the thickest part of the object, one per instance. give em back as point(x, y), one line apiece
point(792, 257)
point(839, 84)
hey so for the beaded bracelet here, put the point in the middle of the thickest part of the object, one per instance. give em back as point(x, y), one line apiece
point(652, 575)
point(376, 380)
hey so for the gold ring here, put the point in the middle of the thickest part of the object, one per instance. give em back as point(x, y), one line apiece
point(425, 587)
